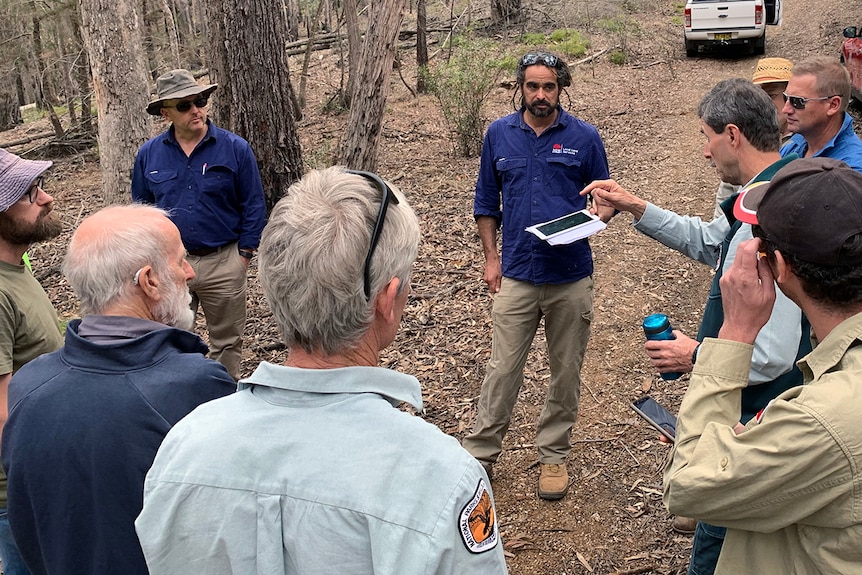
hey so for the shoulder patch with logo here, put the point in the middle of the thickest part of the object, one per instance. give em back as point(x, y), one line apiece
point(478, 521)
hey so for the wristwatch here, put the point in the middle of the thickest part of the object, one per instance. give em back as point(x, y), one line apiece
point(694, 355)
point(246, 254)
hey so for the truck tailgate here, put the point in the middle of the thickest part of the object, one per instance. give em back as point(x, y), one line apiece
point(715, 16)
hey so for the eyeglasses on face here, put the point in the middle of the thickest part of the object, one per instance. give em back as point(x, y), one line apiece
point(388, 196)
point(539, 58)
point(186, 105)
point(33, 191)
point(798, 102)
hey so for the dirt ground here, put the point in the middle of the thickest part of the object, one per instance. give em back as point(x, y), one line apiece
point(612, 520)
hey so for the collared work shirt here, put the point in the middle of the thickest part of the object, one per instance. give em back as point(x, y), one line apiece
point(317, 472)
point(214, 196)
point(777, 343)
point(525, 179)
point(845, 146)
point(789, 487)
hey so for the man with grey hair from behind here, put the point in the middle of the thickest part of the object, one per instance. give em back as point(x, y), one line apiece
point(310, 468)
point(85, 421)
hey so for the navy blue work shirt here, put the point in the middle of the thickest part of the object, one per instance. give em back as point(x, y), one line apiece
point(525, 179)
point(214, 196)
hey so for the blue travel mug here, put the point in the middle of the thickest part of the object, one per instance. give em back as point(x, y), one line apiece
point(657, 326)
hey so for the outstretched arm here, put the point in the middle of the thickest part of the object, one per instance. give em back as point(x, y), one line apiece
point(609, 194)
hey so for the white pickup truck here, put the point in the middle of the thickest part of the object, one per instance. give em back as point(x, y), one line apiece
point(729, 22)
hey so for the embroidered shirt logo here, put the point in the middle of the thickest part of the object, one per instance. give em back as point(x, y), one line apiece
point(559, 149)
point(478, 521)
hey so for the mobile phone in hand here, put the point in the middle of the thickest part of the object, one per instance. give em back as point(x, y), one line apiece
point(657, 416)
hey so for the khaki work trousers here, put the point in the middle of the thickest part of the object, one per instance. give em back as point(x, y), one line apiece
point(518, 308)
point(219, 287)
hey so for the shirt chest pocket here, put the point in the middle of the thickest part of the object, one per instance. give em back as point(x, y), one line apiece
point(219, 180)
point(565, 175)
point(513, 174)
point(162, 183)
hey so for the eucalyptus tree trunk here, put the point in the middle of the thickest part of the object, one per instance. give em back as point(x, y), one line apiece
point(506, 11)
point(255, 98)
point(112, 34)
point(371, 85)
point(354, 47)
point(421, 45)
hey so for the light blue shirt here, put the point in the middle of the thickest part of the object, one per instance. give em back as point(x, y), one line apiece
point(316, 471)
point(776, 344)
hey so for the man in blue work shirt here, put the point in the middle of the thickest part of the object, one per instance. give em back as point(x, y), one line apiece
point(208, 180)
point(534, 163)
point(816, 100)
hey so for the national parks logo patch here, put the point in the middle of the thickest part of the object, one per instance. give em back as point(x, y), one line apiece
point(478, 522)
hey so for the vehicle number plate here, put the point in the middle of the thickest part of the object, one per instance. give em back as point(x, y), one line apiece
point(723, 36)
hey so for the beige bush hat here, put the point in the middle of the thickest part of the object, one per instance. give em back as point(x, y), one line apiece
point(177, 84)
point(772, 70)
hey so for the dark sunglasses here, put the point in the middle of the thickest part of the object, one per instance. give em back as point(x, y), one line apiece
point(539, 58)
point(388, 196)
point(33, 191)
point(798, 102)
point(186, 105)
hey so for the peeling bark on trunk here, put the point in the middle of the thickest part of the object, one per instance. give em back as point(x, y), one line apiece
point(112, 35)
point(255, 98)
point(371, 85)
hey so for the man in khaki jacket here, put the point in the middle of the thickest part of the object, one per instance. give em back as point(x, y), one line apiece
point(787, 485)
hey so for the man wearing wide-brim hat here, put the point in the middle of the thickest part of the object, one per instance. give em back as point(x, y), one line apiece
point(28, 321)
point(207, 178)
point(773, 74)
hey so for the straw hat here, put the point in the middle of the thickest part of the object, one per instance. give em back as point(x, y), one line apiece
point(772, 70)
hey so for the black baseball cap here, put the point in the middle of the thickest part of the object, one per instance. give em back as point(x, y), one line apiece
point(809, 209)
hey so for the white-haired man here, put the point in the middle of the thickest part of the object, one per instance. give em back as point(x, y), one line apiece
point(85, 421)
point(310, 468)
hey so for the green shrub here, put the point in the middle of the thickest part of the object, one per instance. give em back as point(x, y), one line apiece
point(509, 63)
point(622, 28)
point(569, 42)
point(533, 39)
point(461, 87)
point(617, 57)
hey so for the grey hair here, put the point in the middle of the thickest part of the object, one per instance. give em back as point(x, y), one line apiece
point(831, 77)
point(312, 256)
point(101, 270)
point(739, 102)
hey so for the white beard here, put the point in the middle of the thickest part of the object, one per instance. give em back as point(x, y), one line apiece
point(173, 309)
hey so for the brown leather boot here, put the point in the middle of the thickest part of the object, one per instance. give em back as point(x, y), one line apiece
point(684, 525)
point(553, 481)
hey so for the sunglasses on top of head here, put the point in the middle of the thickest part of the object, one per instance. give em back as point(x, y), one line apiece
point(186, 105)
point(388, 197)
point(798, 102)
point(539, 58)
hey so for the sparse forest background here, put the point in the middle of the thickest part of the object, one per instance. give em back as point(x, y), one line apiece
point(90, 66)
point(631, 79)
